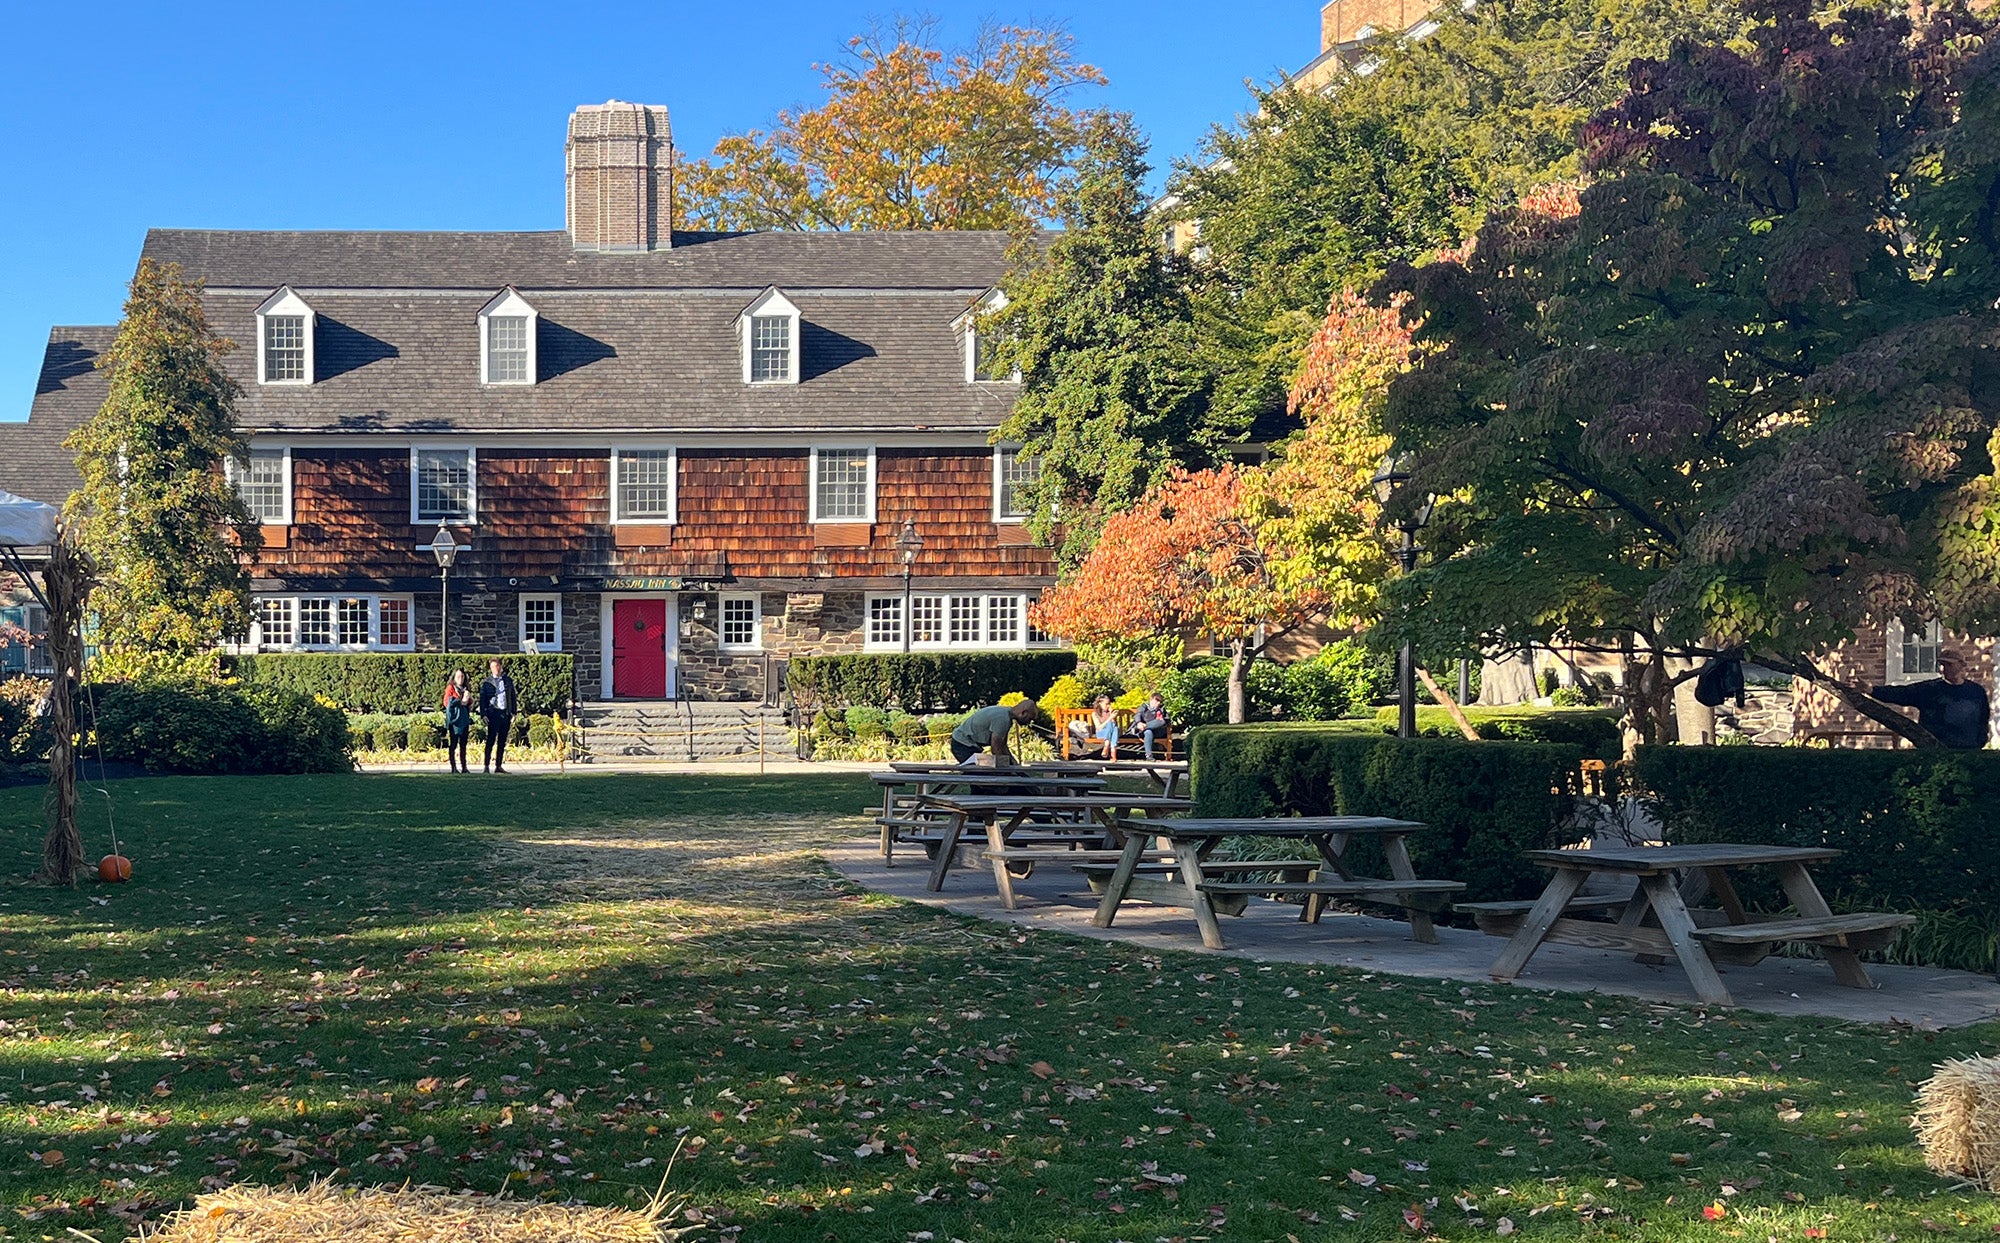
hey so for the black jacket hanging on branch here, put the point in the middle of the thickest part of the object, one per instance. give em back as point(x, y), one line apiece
point(1721, 678)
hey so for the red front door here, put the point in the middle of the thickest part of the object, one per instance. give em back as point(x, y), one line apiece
point(639, 649)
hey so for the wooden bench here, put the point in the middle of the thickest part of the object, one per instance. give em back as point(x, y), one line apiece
point(1070, 743)
point(1502, 918)
point(1838, 937)
point(1417, 895)
point(1161, 884)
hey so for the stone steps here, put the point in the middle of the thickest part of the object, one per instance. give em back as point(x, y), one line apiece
point(682, 731)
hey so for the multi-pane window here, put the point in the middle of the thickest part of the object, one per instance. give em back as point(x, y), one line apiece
point(1919, 651)
point(444, 488)
point(393, 622)
point(770, 348)
point(1003, 620)
point(965, 621)
point(986, 361)
point(284, 348)
point(316, 622)
point(507, 352)
point(274, 620)
point(885, 621)
point(644, 488)
point(351, 617)
point(841, 486)
point(541, 622)
point(1014, 473)
point(264, 485)
point(926, 619)
point(740, 623)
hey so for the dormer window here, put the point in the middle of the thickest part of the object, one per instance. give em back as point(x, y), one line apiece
point(284, 339)
point(507, 340)
point(770, 328)
point(982, 346)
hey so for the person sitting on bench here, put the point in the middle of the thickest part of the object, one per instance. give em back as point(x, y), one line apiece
point(1150, 721)
point(1100, 731)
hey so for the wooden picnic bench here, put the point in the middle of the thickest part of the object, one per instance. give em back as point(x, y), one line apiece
point(1062, 718)
point(1657, 923)
point(1087, 826)
point(1192, 843)
point(905, 818)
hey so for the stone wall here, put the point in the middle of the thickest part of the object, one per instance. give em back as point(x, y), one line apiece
point(583, 638)
point(482, 621)
point(1765, 717)
point(708, 673)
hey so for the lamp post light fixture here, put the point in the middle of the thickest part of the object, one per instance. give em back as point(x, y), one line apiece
point(446, 550)
point(911, 544)
point(1389, 482)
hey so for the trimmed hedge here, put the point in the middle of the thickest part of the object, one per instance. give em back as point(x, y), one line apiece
point(402, 682)
point(1485, 802)
point(203, 728)
point(1921, 830)
point(1593, 729)
point(924, 681)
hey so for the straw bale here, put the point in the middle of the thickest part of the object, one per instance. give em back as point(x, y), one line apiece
point(1958, 1120)
point(324, 1213)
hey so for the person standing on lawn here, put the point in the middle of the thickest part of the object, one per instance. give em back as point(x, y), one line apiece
point(1953, 709)
point(458, 720)
point(497, 703)
point(989, 728)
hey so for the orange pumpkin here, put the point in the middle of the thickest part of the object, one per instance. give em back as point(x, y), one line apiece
point(114, 868)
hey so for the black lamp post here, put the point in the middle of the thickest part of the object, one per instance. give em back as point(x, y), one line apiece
point(1389, 482)
point(911, 544)
point(446, 550)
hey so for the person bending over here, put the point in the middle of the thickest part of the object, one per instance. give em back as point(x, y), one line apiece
point(988, 728)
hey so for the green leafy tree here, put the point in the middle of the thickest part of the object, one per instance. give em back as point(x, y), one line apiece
point(1114, 391)
point(156, 512)
point(1740, 392)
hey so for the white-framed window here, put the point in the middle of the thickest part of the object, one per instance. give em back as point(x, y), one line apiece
point(982, 348)
point(1913, 654)
point(1014, 472)
point(885, 622)
point(952, 620)
point(507, 332)
point(265, 484)
point(285, 339)
point(644, 485)
point(740, 628)
point(334, 623)
point(541, 622)
point(843, 484)
point(770, 328)
point(444, 485)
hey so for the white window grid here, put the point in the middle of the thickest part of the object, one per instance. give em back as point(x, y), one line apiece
point(284, 348)
point(741, 623)
point(1003, 620)
point(940, 621)
point(644, 487)
point(507, 349)
point(926, 620)
point(443, 487)
point(770, 348)
point(967, 627)
point(265, 485)
point(541, 622)
point(1013, 473)
point(1913, 654)
point(885, 621)
point(335, 623)
point(843, 485)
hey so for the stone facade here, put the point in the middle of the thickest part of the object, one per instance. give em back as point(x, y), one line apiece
point(1766, 716)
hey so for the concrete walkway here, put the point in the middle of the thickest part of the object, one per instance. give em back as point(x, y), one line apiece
point(1056, 899)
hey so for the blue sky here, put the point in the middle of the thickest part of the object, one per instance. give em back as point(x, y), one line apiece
point(119, 117)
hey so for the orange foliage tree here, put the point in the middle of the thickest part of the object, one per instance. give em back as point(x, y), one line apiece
point(912, 136)
point(1186, 557)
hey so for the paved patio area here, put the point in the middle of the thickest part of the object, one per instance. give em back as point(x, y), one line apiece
point(1056, 899)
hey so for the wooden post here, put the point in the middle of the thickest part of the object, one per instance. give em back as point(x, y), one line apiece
point(760, 746)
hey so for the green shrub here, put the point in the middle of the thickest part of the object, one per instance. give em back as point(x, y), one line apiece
point(24, 725)
point(1066, 691)
point(390, 736)
point(1593, 729)
point(425, 736)
point(360, 734)
point(937, 728)
point(829, 725)
point(1483, 802)
point(1097, 680)
point(906, 728)
point(403, 682)
point(542, 734)
point(1916, 828)
point(924, 681)
point(207, 728)
point(865, 724)
point(1315, 692)
point(1267, 690)
point(1196, 694)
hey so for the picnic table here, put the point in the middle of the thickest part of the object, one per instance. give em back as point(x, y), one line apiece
point(1023, 829)
point(903, 794)
point(1196, 879)
point(1168, 775)
point(1668, 878)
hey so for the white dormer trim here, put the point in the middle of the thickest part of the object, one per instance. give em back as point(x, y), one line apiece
point(771, 304)
point(285, 302)
point(508, 302)
point(966, 325)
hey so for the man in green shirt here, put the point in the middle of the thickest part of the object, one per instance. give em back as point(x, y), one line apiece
point(990, 727)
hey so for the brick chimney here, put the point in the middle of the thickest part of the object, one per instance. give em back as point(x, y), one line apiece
point(618, 177)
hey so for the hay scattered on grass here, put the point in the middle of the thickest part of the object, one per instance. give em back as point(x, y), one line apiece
point(324, 1213)
point(1958, 1120)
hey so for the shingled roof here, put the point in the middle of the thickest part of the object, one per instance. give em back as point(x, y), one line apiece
point(33, 462)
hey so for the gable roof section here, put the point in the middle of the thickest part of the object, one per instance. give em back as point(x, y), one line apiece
point(33, 462)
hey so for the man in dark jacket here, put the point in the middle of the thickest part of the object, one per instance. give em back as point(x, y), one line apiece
point(497, 703)
point(1954, 710)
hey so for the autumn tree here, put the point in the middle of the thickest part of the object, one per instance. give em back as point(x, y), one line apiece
point(156, 513)
point(1741, 391)
point(911, 136)
point(1114, 389)
point(1186, 557)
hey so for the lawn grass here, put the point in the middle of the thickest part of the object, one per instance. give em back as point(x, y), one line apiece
point(551, 983)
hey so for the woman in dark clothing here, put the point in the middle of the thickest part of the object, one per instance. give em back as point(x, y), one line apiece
point(458, 699)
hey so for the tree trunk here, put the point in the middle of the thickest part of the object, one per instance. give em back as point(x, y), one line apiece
point(1861, 701)
point(1694, 721)
point(68, 585)
point(1649, 698)
point(1507, 677)
point(1239, 671)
